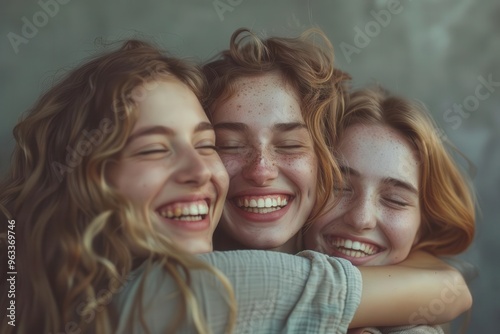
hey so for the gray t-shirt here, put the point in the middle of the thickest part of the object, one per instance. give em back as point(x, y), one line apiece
point(275, 292)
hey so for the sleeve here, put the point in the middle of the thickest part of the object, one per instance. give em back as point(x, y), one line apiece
point(420, 329)
point(275, 292)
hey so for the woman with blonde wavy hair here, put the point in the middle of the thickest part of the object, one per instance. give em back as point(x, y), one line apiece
point(113, 193)
point(402, 189)
point(101, 180)
point(273, 103)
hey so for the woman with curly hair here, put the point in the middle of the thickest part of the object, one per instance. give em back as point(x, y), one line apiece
point(273, 103)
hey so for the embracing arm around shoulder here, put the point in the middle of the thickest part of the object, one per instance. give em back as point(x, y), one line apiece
point(275, 292)
point(420, 290)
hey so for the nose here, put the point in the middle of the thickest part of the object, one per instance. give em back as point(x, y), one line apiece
point(191, 168)
point(260, 169)
point(362, 212)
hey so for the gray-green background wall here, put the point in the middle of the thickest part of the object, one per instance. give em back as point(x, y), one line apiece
point(439, 52)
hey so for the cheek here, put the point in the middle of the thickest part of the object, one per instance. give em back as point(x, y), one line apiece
point(234, 163)
point(220, 175)
point(327, 223)
point(402, 236)
point(302, 170)
point(328, 220)
point(139, 183)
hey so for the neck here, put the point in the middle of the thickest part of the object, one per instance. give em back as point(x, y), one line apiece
point(224, 242)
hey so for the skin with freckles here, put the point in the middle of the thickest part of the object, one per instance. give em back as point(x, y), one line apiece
point(378, 216)
point(169, 165)
point(269, 156)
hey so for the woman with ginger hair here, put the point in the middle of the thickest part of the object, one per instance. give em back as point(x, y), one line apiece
point(402, 190)
point(109, 240)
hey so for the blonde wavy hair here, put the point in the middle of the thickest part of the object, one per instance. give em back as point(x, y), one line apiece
point(446, 196)
point(306, 64)
point(75, 235)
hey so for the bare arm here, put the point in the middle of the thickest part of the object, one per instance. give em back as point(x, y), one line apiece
point(420, 290)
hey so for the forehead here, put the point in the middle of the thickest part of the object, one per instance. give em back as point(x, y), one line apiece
point(379, 151)
point(266, 97)
point(167, 99)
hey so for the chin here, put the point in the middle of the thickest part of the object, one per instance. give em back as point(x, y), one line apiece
point(197, 248)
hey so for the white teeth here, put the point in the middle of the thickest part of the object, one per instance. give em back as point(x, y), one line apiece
point(261, 210)
point(177, 211)
point(202, 209)
point(269, 202)
point(190, 218)
point(185, 211)
point(193, 210)
point(353, 248)
point(352, 253)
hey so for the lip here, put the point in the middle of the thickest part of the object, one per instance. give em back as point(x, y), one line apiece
point(193, 226)
point(261, 217)
point(357, 261)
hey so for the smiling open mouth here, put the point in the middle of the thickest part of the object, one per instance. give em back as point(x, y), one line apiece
point(261, 204)
point(352, 248)
point(186, 211)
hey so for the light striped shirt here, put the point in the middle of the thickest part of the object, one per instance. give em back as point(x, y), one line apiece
point(275, 292)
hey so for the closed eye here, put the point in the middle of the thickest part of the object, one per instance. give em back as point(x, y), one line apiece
point(398, 203)
point(207, 149)
point(289, 146)
point(153, 151)
point(222, 147)
point(212, 147)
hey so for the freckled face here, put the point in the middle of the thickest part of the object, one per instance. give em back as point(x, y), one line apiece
point(378, 217)
point(169, 166)
point(269, 155)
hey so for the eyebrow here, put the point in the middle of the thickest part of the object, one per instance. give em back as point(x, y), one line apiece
point(284, 127)
point(387, 180)
point(242, 127)
point(400, 184)
point(162, 130)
